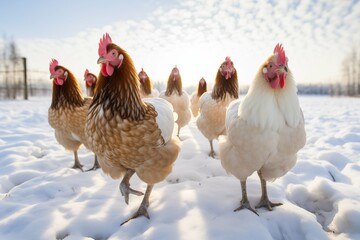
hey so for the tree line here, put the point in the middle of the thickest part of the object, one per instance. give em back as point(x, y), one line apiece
point(349, 82)
point(11, 70)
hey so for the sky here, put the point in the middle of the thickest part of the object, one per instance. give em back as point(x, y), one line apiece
point(194, 35)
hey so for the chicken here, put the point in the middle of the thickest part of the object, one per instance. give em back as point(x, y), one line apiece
point(146, 88)
point(211, 121)
point(265, 130)
point(90, 82)
point(195, 96)
point(67, 113)
point(128, 134)
point(178, 98)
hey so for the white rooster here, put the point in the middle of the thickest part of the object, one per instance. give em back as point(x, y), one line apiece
point(266, 130)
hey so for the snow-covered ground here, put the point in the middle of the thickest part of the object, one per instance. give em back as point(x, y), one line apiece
point(41, 197)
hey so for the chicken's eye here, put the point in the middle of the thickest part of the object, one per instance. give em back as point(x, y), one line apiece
point(59, 71)
point(114, 53)
point(270, 66)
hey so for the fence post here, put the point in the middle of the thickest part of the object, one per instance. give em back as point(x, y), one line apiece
point(25, 80)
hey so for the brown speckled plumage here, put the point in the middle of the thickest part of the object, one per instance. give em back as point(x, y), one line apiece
point(122, 129)
point(67, 113)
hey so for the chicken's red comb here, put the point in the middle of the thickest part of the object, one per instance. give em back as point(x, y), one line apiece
point(86, 73)
point(228, 61)
point(53, 64)
point(281, 57)
point(104, 41)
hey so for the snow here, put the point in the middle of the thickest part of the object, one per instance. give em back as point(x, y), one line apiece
point(42, 197)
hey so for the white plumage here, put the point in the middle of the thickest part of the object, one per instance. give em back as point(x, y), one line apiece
point(264, 131)
point(165, 118)
point(194, 104)
point(211, 120)
point(213, 105)
point(181, 105)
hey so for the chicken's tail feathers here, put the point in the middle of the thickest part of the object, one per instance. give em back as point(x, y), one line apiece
point(165, 117)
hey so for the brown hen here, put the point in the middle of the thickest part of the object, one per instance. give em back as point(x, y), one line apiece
point(67, 113)
point(127, 134)
point(90, 82)
point(178, 98)
point(195, 96)
point(213, 105)
point(146, 88)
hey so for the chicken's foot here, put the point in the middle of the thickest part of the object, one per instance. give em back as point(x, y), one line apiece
point(142, 211)
point(244, 203)
point(212, 152)
point(77, 163)
point(96, 165)
point(125, 186)
point(264, 201)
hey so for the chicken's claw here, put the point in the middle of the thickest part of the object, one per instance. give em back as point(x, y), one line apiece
point(78, 166)
point(125, 190)
point(96, 165)
point(77, 163)
point(245, 204)
point(93, 168)
point(212, 154)
point(142, 211)
point(265, 202)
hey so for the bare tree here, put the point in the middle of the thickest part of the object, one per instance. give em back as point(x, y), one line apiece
point(351, 73)
point(14, 59)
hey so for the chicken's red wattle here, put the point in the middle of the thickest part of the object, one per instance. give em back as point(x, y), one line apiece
point(59, 81)
point(103, 70)
point(282, 80)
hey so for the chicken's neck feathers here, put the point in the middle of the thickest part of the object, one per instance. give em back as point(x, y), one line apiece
point(267, 108)
point(224, 86)
point(68, 95)
point(120, 96)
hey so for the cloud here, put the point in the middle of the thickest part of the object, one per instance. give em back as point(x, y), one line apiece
point(197, 35)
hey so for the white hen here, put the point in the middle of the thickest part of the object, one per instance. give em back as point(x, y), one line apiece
point(266, 130)
point(211, 121)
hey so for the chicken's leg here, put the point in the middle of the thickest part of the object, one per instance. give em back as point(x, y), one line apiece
point(264, 201)
point(125, 186)
point(212, 152)
point(244, 203)
point(142, 211)
point(77, 163)
point(96, 165)
point(178, 133)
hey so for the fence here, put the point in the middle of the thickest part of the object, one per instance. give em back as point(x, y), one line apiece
point(18, 82)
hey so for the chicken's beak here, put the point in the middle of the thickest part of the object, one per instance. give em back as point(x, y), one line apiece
point(52, 76)
point(101, 60)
